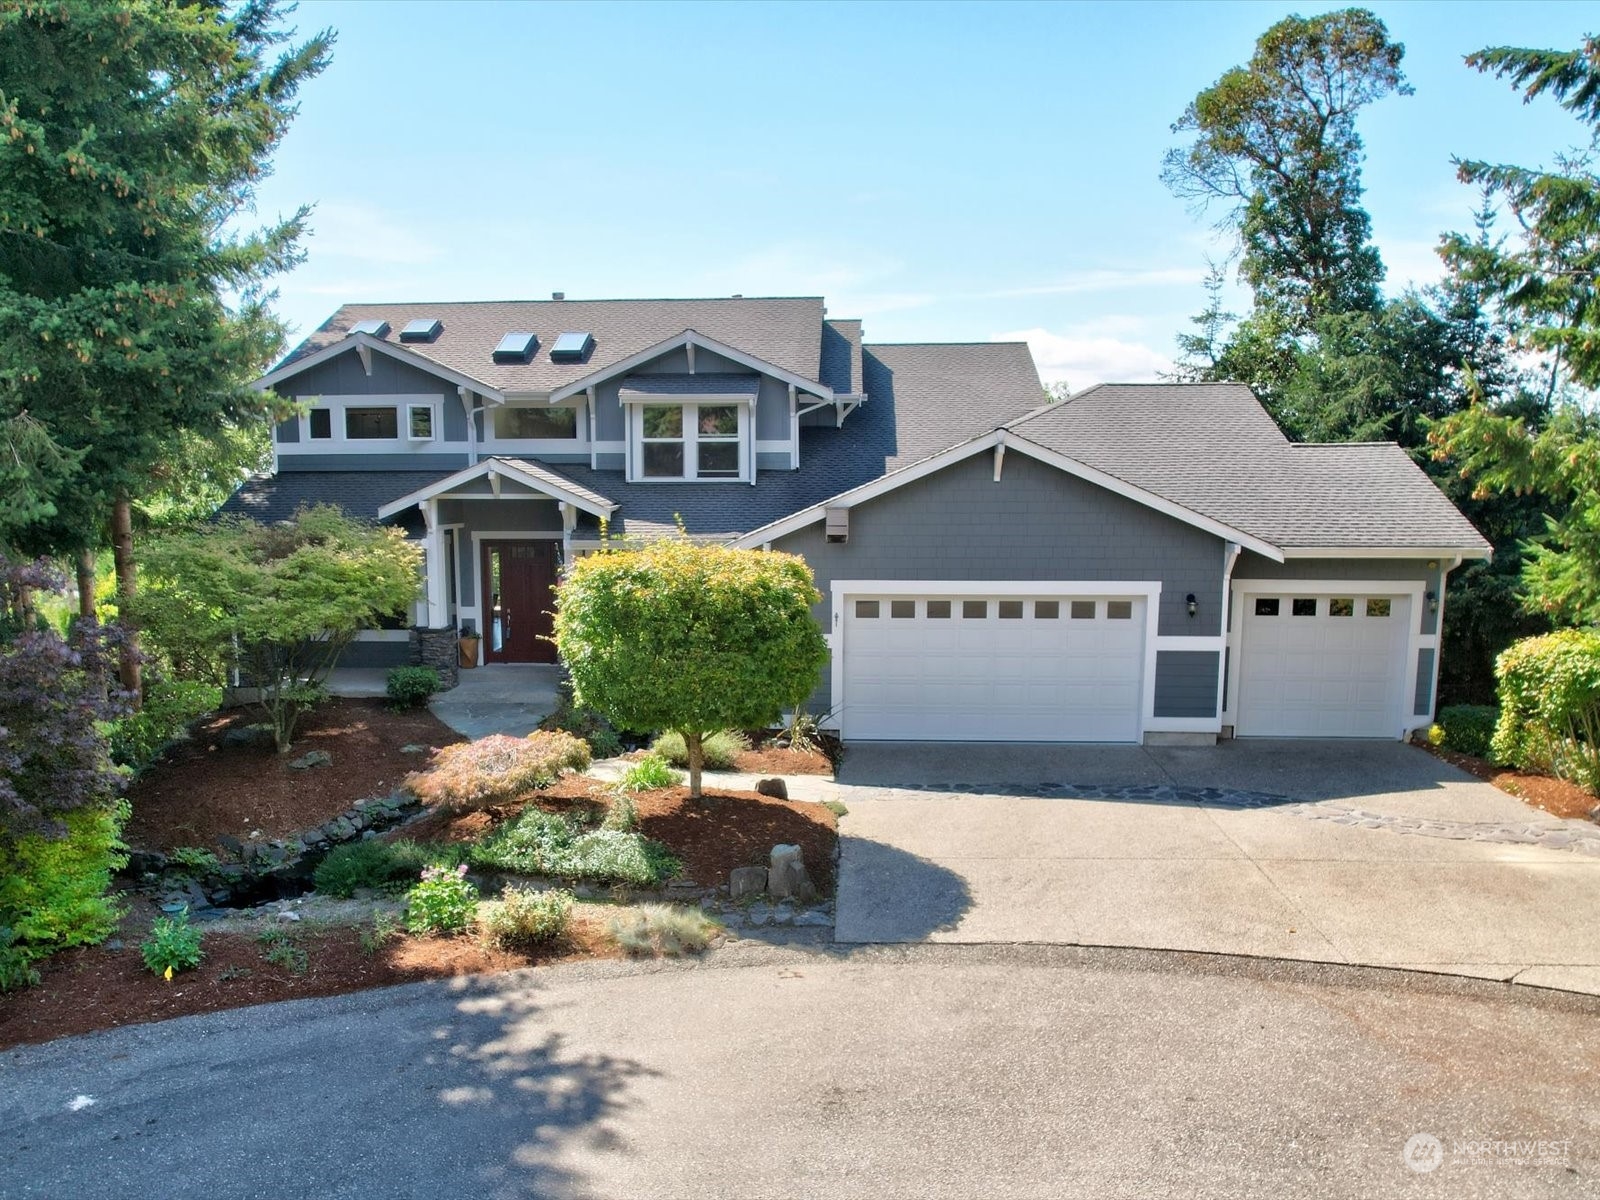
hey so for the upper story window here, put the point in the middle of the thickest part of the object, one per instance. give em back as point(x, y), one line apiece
point(535, 423)
point(321, 421)
point(691, 441)
point(375, 423)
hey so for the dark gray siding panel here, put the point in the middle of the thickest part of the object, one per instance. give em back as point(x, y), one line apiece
point(610, 462)
point(772, 411)
point(1037, 523)
point(772, 462)
point(371, 462)
point(287, 431)
point(1424, 704)
point(1253, 566)
point(376, 654)
point(609, 426)
point(1186, 683)
point(454, 418)
point(343, 375)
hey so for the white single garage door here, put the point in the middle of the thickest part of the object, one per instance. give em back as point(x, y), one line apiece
point(993, 668)
point(1325, 665)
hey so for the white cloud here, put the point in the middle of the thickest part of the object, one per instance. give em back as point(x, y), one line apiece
point(366, 233)
point(1084, 355)
point(1410, 262)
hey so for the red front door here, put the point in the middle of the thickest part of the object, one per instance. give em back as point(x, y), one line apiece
point(517, 582)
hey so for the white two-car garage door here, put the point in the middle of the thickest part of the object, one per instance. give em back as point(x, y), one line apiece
point(993, 668)
point(1322, 665)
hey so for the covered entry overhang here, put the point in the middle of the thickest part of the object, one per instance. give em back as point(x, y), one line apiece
point(484, 490)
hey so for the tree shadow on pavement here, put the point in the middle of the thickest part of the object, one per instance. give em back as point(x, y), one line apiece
point(886, 894)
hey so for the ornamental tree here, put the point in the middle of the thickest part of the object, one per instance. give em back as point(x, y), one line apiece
point(690, 638)
point(279, 603)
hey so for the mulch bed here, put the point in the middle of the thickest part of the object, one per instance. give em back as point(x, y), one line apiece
point(726, 829)
point(1554, 796)
point(780, 760)
point(95, 988)
point(201, 789)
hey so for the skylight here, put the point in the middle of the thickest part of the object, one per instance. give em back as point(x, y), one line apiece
point(423, 329)
point(516, 348)
point(376, 327)
point(572, 347)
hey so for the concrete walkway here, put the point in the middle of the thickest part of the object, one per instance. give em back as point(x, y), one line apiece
point(1358, 852)
point(502, 698)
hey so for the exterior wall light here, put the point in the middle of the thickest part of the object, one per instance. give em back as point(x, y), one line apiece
point(1194, 605)
point(1433, 601)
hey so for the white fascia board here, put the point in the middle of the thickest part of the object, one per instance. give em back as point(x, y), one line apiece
point(1004, 437)
point(705, 343)
point(1464, 552)
point(492, 467)
point(359, 341)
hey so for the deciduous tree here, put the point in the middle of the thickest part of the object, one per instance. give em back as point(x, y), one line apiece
point(690, 638)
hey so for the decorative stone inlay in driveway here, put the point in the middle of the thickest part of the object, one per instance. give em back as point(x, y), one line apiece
point(1581, 837)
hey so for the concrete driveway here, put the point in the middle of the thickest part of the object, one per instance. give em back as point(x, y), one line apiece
point(1371, 853)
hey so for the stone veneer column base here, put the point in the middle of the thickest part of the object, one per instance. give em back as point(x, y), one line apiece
point(436, 648)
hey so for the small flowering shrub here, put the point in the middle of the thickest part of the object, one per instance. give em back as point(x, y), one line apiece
point(443, 902)
point(521, 919)
point(496, 769)
point(173, 945)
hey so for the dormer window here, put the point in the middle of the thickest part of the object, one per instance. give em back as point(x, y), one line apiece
point(691, 441)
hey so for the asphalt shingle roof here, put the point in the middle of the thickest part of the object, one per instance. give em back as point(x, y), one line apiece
point(785, 332)
point(1212, 448)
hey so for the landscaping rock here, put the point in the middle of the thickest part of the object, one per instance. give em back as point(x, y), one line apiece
point(776, 788)
point(248, 735)
point(413, 748)
point(747, 881)
point(231, 845)
point(787, 878)
point(312, 758)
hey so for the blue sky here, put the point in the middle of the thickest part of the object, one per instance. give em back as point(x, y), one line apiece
point(944, 171)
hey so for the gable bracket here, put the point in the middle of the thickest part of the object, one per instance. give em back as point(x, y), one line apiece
point(999, 459)
point(365, 353)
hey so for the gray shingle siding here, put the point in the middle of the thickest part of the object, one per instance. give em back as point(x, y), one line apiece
point(343, 375)
point(1186, 683)
point(389, 463)
point(1036, 524)
point(1253, 566)
point(1424, 696)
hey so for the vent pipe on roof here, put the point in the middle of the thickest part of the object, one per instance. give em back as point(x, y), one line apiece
point(558, 295)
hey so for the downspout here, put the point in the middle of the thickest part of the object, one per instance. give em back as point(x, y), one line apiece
point(594, 457)
point(1230, 558)
point(1438, 637)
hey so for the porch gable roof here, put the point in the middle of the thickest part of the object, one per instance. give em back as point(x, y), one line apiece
point(535, 476)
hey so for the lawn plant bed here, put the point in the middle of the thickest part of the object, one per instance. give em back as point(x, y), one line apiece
point(1555, 796)
point(204, 789)
point(98, 988)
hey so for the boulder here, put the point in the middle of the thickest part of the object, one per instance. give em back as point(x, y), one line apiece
point(775, 788)
point(747, 881)
point(787, 878)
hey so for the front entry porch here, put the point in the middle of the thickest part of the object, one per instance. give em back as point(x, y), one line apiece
point(510, 699)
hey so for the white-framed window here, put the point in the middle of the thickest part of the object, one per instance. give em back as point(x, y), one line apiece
point(534, 423)
point(699, 440)
point(320, 422)
point(420, 422)
point(371, 423)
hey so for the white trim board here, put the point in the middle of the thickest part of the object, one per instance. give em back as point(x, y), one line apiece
point(498, 467)
point(977, 445)
point(365, 343)
point(1413, 590)
point(841, 590)
point(687, 337)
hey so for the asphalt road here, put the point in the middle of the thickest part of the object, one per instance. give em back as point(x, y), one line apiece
point(934, 1071)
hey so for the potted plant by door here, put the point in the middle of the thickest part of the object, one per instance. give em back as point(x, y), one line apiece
point(468, 645)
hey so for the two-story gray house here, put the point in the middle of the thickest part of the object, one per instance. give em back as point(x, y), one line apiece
point(1138, 562)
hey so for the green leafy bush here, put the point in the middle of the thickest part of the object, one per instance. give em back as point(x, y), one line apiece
point(280, 949)
point(522, 919)
point(16, 966)
point(591, 726)
point(664, 929)
point(53, 891)
point(497, 769)
point(195, 859)
point(720, 749)
point(1550, 706)
point(173, 944)
point(543, 843)
point(169, 705)
point(379, 865)
point(1468, 728)
point(443, 902)
point(410, 687)
point(651, 772)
